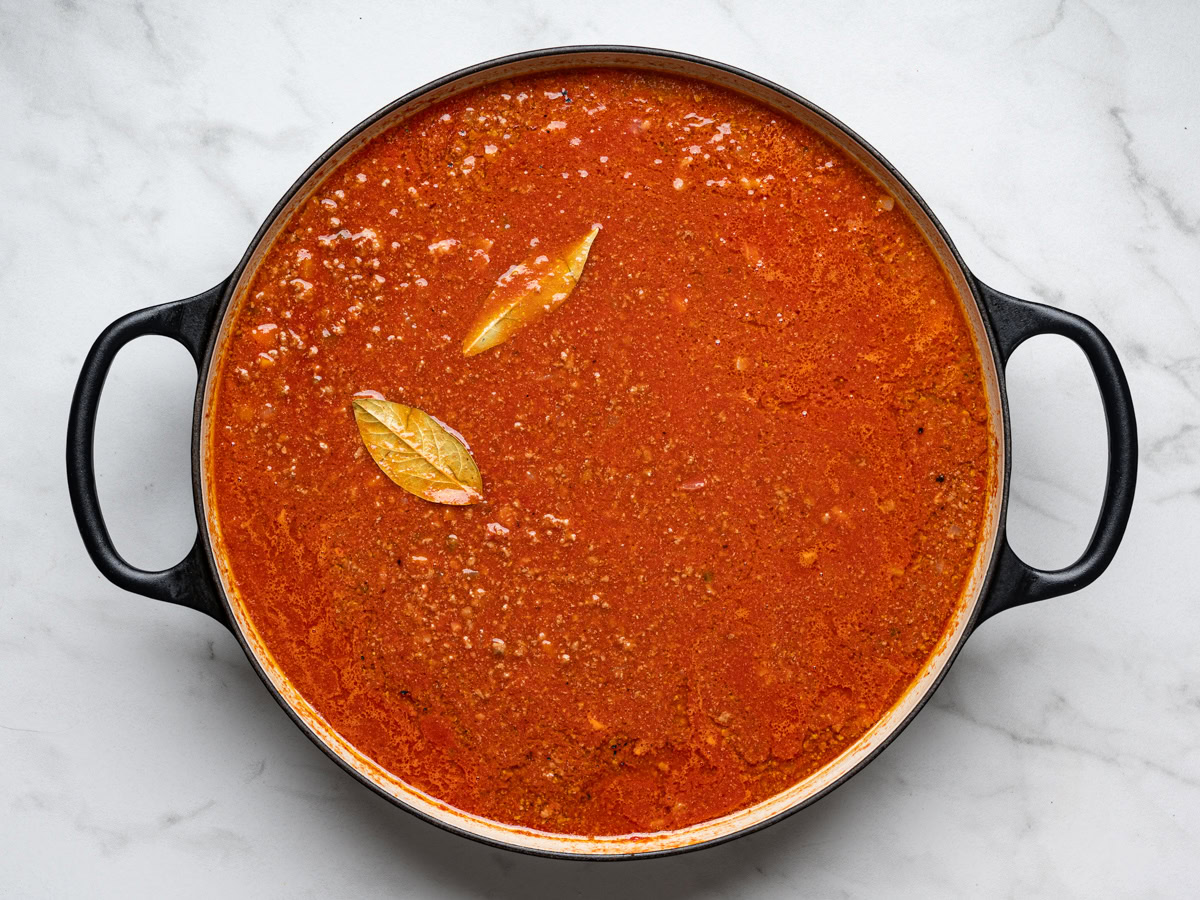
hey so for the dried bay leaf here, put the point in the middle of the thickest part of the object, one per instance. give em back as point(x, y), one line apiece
point(418, 452)
point(526, 292)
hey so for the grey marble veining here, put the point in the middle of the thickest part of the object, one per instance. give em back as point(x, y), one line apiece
point(144, 142)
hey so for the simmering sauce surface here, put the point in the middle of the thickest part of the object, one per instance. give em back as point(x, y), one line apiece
point(734, 485)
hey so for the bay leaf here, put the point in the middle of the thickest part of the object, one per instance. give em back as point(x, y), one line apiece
point(528, 291)
point(417, 452)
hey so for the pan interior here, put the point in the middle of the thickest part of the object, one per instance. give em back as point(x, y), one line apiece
point(872, 741)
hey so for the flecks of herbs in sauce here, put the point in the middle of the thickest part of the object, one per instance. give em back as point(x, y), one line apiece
point(528, 291)
point(419, 453)
point(735, 486)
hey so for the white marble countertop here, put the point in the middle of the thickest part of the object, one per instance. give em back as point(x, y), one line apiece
point(144, 142)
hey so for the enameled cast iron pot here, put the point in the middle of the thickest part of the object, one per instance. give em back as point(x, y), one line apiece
point(999, 580)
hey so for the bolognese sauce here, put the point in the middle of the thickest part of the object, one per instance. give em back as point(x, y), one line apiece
point(733, 487)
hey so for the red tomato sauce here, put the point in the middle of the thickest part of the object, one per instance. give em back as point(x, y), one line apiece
point(733, 487)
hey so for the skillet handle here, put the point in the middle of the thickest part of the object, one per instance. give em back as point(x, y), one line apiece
point(1015, 582)
point(188, 582)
